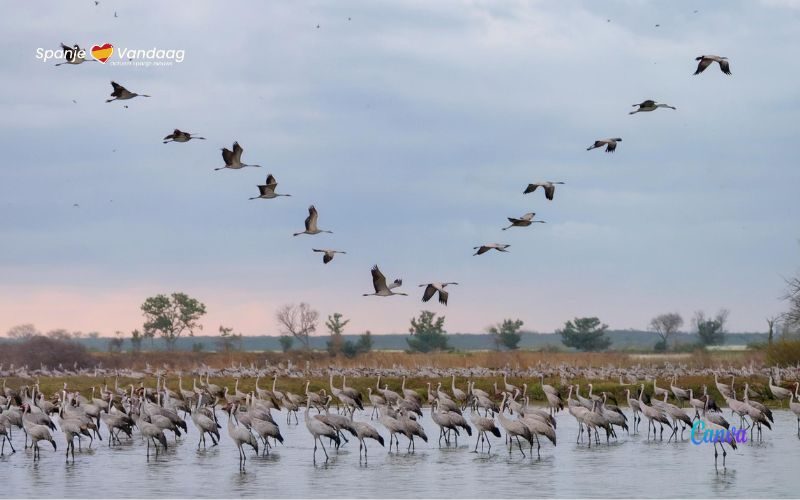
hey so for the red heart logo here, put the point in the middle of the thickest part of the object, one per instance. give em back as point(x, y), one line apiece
point(102, 52)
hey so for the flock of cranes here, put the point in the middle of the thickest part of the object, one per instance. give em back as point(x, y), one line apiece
point(160, 414)
point(233, 161)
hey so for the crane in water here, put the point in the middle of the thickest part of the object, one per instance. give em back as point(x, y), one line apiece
point(317, 428)
point(240, 435)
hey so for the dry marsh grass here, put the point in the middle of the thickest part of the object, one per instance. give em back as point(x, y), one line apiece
point(515, 360)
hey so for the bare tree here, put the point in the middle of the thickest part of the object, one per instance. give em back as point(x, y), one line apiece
point(59, 334)
point(299, 321)
point(792, 317)
point(23, 332)
point(666, 325)
point(771, 324)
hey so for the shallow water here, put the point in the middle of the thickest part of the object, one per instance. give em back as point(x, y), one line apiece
point(629, 467)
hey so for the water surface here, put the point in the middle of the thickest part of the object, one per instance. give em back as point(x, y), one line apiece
point(629, 467)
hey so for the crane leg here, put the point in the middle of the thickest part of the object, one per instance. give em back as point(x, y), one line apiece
point(519, 445)
point(324, 450)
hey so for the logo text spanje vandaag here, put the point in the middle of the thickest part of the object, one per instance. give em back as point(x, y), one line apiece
point(103, 53)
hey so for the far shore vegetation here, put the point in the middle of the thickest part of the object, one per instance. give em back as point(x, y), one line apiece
point(172, 323)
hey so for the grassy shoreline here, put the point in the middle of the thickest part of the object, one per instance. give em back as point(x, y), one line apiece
point(52, 385)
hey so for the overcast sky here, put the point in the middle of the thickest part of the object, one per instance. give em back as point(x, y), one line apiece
point(413, 127)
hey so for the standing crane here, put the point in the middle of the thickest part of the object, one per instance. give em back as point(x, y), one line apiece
point(779, 392)
point(36, 432)
point(513, 428)
point(318, 428)
point(240, 435)
point(484, 425)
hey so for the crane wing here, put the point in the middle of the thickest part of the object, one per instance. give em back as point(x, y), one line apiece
point(271, 183)
point(237, 151)
point(311, 220)
point(227, 155)
point(725, 67)
point(378, 280)
point(531, 188)
point(429, 291)
point(702, 65)
point(443, 297)
point(549, 191)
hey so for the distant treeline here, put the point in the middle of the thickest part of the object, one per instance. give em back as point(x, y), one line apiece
point(621, 340)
